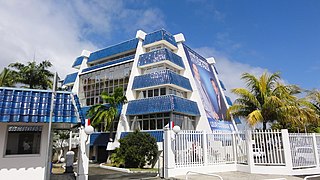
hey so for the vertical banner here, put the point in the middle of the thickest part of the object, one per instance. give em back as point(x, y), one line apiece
point(208, 88)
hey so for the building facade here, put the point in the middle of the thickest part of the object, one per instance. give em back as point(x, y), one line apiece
point(165, 81)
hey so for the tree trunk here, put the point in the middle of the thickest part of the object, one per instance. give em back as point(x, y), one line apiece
point(264, 125)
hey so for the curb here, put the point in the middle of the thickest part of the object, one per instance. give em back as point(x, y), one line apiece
point(123, 169)
point(114, 168)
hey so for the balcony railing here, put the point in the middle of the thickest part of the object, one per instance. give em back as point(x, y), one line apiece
point(158, 36)
point(158, 56)
point(159, 104)
point(160, 78)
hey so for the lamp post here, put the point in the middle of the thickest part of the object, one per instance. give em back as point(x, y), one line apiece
point(83, 162)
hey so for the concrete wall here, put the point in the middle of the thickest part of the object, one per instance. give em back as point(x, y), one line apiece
point(26, 167)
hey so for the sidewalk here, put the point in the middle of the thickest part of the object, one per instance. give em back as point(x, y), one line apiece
point(240, 176)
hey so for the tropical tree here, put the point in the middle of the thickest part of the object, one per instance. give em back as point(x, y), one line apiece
point(7, 78)
point(33, 75)
point(295, 113)
point(257, 103)
point(268, 100)
point(108, 111)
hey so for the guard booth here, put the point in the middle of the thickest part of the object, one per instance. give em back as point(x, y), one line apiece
point(24, 126)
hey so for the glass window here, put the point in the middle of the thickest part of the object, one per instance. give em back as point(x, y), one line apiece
point(156, 92)
point(163, 91)
point(150, 93)
point(23, 140)
point(159, 123)
point(144, 94)
point(152, 124)
point(145, 125)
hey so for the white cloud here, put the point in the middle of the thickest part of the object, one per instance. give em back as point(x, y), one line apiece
point(229, 70)
point(59, 30)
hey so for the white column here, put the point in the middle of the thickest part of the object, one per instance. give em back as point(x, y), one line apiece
point(235, 146)
point(249, 150)
point(83, 156)
point(169, 158)
point(286, 149)
point(205, 148)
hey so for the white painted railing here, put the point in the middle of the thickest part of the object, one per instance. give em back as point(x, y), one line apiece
point(302, 150)
point(276, 152)
point(268, 148)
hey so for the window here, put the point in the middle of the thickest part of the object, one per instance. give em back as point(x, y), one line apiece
point(94, 83)
point(163, 91)
point(23, 140)
point(156, 92)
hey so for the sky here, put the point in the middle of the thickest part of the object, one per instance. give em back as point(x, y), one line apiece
point(243, 36)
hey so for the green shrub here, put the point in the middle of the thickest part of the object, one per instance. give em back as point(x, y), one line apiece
point(117, 159)
point(137, 149)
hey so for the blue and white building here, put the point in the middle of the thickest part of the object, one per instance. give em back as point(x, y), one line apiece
point(164, 80)
point(25, 126)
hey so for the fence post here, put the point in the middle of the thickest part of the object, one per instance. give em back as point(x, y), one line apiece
point(205, 148)
point(249, 150)
point(235, 146)
point(286, 149)
point(315, 147)
point(168, 152)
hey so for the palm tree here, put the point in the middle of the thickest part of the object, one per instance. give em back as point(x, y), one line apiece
point(268, 100)
point(7, 78)
point(34, 75)
point(257, 103)
point(106, 113)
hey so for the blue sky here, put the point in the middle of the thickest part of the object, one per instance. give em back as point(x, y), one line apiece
point(243, 36)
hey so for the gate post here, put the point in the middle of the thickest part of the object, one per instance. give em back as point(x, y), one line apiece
point(204, 148)
point(315, 147)
point(286, 149)
point(235, 146)
point(249, 150)
point(168, 153)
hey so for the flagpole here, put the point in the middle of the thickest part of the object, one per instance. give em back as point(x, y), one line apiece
point(49, 147)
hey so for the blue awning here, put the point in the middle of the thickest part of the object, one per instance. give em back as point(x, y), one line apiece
point(78, 62)
point(160, 78)
point(29, 105)
point(110, 63)
point(156, 134)
point(158, 56)
point(158, 36)
point(70, 78)
point(99, 139)
point(123, 47)
point(168, 103)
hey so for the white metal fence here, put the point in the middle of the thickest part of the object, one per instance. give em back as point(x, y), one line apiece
point(267, 148)
point(303, 150)
point(188, 149)
point(198, 148)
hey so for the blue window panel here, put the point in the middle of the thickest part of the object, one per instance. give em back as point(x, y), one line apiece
point(108, 63)
point(70, 78)
point(99, 139)
point(168, 103)
point(159, 78)
point(30, 105)
point(158, 135)
point(160, 55)
point(78, 61)
point(228, 101)
point(222, 85)
point(158, 36)
point(113, 50)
